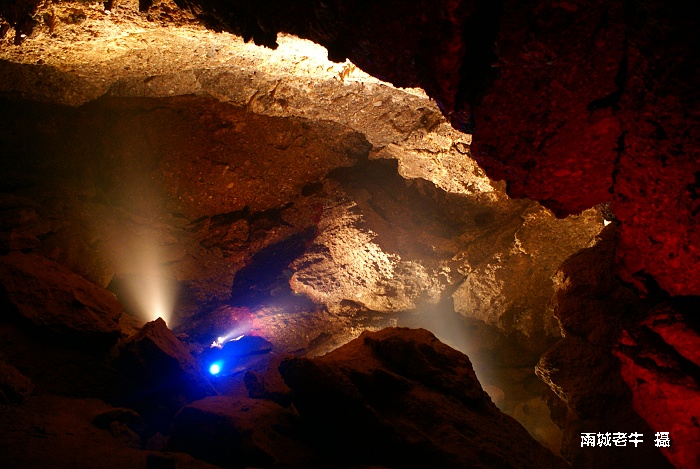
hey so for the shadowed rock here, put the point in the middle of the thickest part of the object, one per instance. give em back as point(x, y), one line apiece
point(51, 296)
point(593, 307)
point(14, 386)
point(268, 385)
point(163, 374)
point(661, 365)
point(401, 398)
point(239, 433)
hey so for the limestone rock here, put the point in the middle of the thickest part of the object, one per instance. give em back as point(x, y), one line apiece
point(401, 398)
point(51, 296)
point(512, 288)
point(660, 358)
point(393, 245)
point(238, 433)
point(379, 280)
point(593, 307)
point(268, 385)
point(14, 386)
point(163, 374)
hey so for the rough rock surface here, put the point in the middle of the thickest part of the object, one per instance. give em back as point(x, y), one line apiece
point(588, 391)
point(392, 245)
point(228, 191)
point(239, 432)
point(51, 296)
point(53, 431)
point(581, 111)
point(268, 385)
point(14, 386)
point(152, 197)
point(399, 397)
point(661, 365)
point(163, 375)
point(511, 288)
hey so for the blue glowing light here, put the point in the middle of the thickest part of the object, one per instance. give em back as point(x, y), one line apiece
point(215, 368)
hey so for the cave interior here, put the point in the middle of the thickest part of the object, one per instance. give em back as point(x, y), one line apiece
point(353, 235)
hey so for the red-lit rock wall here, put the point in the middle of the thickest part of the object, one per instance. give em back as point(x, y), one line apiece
point(660, 362)
point(593, 103)
point(548, 124)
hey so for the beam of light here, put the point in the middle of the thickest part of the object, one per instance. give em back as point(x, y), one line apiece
point(234, 334)
point(150, 292)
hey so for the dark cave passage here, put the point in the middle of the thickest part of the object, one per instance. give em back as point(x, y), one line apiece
point(265, 281)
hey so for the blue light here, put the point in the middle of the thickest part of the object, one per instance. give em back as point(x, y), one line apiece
point(215, 368)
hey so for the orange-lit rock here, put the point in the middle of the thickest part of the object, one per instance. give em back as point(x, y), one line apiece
point(53, 297)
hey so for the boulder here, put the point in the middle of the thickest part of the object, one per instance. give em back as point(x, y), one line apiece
point(122, 423)
point(268, 385)
point(14, 386)
point(238, 433)
point(401, 398)
point(51, 296)
point(163, 375)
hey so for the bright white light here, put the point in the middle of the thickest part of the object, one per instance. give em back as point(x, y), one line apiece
point(147, 282)
point(215, 368)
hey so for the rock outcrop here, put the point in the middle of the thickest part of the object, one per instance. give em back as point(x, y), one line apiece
point(661, 365)
point(52, 297)
point(14, 386)
point(161, 374)
point(400, 398)
point(240, 432)
point(588, 390)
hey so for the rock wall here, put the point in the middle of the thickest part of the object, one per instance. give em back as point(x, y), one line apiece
point(572, 104)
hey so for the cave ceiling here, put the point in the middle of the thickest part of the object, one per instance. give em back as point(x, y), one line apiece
point(304, 171)
point(209, 156)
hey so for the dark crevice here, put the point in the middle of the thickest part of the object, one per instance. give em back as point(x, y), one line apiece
point(612, 100)
point(477, 73)
point(265, 280)
point(676, 368)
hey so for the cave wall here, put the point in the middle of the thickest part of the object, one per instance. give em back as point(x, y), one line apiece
point(571, 104)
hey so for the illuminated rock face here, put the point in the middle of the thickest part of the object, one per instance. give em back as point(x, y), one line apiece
point(193, 190)
point(314, 169)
